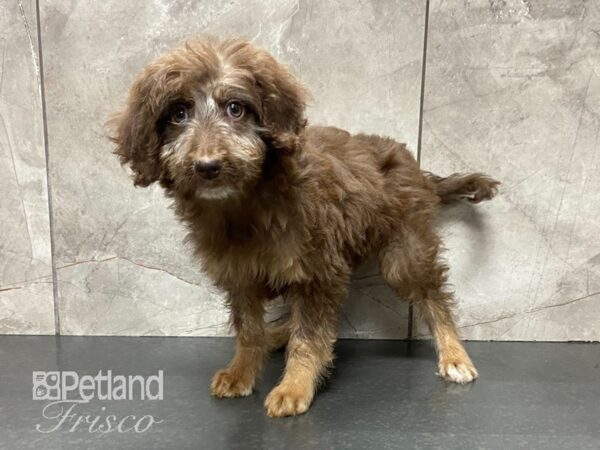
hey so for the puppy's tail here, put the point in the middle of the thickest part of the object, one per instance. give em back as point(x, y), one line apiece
point(474, 187)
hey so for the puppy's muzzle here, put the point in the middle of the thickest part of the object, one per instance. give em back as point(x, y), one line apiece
point(208, 169)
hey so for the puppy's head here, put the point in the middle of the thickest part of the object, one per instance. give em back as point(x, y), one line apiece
point(207, 118)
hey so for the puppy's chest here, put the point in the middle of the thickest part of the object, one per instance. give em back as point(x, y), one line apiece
point(235, 264)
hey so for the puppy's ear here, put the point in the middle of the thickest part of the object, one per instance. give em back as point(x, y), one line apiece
point(134, 129)
point(283, 97)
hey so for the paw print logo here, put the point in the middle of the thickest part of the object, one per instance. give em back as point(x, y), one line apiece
point(46, 386)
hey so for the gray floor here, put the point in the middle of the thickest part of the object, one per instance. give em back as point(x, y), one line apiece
point(382, 395)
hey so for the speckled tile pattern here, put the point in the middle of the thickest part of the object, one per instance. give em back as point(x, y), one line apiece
point(382, 394)
point(512, 89)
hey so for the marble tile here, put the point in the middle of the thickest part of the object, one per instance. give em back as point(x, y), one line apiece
point(26, 298)
point(512, 89)
point(121, 266)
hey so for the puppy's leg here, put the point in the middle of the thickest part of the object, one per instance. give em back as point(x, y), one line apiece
point(309, 352)
point(238, 378)
point(277, 336)
point(454, 362)
point(410, 264)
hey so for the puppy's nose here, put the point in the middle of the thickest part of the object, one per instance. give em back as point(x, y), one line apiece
point(208, 169)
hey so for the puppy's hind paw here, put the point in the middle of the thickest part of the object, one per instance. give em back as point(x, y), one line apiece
point(229, 384)
point(461, 372)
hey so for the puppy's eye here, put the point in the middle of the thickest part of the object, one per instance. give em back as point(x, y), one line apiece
point(179, 114)
point(235, 110)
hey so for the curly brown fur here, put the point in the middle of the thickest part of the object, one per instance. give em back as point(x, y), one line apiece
point(275, 207)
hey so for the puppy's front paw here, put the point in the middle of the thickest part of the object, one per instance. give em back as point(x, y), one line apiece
point(287, 401)
point(458, 371)
point(229, 383)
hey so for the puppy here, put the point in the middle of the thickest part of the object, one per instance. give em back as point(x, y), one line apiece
point(275, 207)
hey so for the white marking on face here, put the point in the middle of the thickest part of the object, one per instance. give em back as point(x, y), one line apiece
point(240, 149)
point(212, 108)
point(205, 160)
point(215, 193)
point(166, 151)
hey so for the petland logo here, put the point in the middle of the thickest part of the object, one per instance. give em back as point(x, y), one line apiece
point(67, 390)
point(70, 386)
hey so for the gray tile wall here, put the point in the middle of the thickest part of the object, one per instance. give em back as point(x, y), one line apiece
point(511, 89)
point(26, 298)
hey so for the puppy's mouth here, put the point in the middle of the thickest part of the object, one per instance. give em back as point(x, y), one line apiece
point(211, 181)
point(214, 190)
point(215, 193)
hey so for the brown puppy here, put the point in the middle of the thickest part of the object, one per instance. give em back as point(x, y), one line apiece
point(275, 207)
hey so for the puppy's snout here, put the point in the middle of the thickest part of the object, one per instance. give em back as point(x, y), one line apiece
point(208, 169)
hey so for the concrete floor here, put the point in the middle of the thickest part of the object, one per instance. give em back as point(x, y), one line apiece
point(382, 394)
